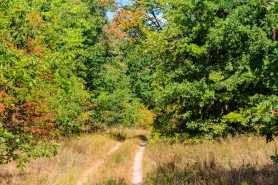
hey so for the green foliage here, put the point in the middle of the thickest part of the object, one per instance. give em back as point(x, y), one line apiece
point(212, 68)
point(12, 143)
point(44, 48)
point(114, 103)
point(206, 68)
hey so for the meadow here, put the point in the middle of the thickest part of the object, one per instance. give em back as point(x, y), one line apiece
point(240, 160)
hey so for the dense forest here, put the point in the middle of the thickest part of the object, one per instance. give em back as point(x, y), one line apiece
point(186, 69)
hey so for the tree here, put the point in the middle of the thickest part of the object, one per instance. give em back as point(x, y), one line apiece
point(211, 68)
point(44, 49)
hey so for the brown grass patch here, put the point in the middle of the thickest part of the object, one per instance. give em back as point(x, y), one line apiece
point(243, 160)
point(117, 170)
point(74, 156)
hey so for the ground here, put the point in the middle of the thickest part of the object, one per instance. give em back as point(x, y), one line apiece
point(242, 160)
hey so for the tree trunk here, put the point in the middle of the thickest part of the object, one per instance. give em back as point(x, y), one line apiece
point(274, 34)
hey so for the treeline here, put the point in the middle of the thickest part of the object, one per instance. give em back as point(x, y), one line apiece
point(58, 76)
point(44, 46)
point(196, 68)
point(206, 68)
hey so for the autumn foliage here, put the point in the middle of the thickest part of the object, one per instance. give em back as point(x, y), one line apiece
point(124, 22)
point(43, 52)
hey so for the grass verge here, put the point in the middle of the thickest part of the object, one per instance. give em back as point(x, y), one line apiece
point(243, 160)
point(74, 156)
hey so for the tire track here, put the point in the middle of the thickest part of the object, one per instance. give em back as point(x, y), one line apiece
point(137, 175)
point(84, 177)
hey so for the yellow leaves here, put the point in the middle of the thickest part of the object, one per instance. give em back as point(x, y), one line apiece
point(35, 20)
point(114, 32)
point(85, 116)
point(235, 117)
point(2, 109)
point(2, 94)
point(33, 117)
point(124, 21)
point(34, 46)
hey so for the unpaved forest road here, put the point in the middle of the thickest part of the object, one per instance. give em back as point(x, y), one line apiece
point(137, 175)
point(84, 177)
point(137, 170)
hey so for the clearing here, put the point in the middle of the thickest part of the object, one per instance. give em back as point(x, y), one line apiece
point(120, 156)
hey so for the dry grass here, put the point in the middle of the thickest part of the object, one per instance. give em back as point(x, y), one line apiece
point(118, 169)
point(65, 168)
point(233, 161)
point(78, 154)
point(243, 160)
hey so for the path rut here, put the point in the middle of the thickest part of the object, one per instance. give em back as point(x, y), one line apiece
point(84, 177)
point(137, 175)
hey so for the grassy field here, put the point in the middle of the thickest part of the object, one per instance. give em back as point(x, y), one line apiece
point(75, 156)
point(242, 160)
point(118, 168)
point(63, 169)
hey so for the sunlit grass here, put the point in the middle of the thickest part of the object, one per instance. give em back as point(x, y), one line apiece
point(243, 160)
point(78, 154)
point(117, 170)
point(74, 156)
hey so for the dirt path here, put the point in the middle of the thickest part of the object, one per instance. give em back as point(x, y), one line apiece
point(84, 176)
point(137, 175)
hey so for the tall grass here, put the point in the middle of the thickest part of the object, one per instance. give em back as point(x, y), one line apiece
point(64, 169)
point(233, 161)
point(117, 170)
point(242, 160)
point(78, 154)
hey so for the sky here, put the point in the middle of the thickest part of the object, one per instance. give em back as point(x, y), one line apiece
point(110, 14)
point(122, 2)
